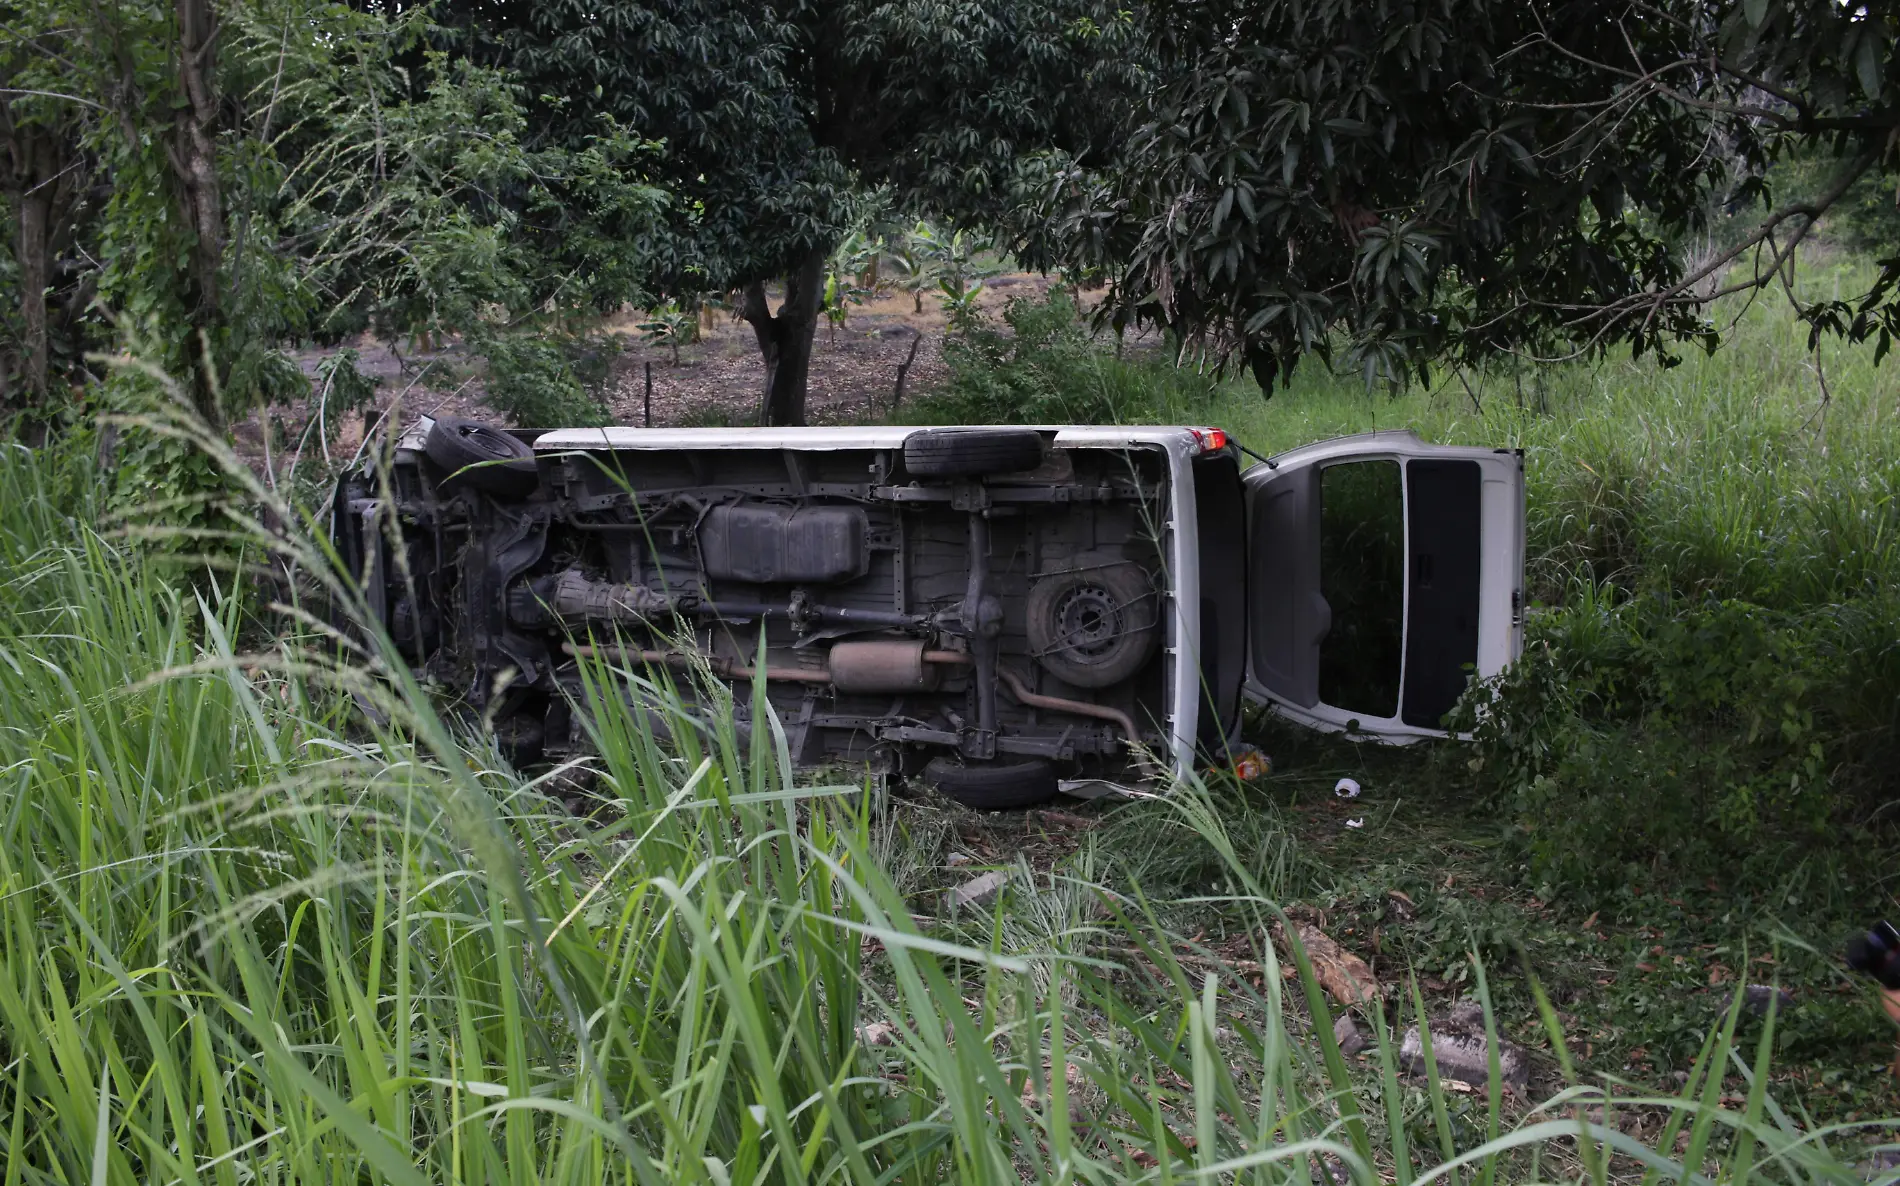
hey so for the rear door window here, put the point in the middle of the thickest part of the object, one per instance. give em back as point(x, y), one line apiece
point(1362, 577)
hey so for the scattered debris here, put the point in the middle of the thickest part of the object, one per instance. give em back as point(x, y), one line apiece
point(878, 1033)
point(1402, 904)
point(1756, 998)
point(957, 860)
point(1096, 788)
point(1350, 1040)
point(979, 891)
point(1465, 1058)
point(1340, 972)
point(1346, 788)
point(1356, 823)
point(1250, 763)
point(1063, 819)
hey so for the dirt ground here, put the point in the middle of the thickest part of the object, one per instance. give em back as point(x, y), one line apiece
point(718, 380)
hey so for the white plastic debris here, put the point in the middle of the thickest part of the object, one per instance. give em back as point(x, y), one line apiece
point(1346, 788)
point(1356, 823)
point(979, 891)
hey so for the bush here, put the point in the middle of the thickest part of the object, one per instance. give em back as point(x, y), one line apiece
point(1043, 365)
point(1719, 738)
point(548, 380)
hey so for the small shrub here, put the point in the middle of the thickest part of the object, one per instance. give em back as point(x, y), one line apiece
point(542, 381)
point(671, 325)
point(1043, 365)
point(1709, 736)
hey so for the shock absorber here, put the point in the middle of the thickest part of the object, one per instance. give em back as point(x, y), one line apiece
point(982, 614)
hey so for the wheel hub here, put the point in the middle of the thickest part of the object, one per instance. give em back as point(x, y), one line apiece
point(1088, 621)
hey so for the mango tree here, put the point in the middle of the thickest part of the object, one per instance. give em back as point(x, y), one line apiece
point(1468, 179)
point(779, 116)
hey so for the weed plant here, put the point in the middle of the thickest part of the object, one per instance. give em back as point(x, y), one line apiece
point(548, 379)
point(1713, 682)
point(268, 917)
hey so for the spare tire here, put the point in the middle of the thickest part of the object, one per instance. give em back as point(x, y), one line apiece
point(1094, 627)
point(994, 786)
point(482, 457)
point(971, 452)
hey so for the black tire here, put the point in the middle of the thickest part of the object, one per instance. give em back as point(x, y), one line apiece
point(482, 457)
point(994, 786)
point(1094, 627)
point(971, 452)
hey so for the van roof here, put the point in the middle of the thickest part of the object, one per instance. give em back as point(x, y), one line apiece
point(824, 439)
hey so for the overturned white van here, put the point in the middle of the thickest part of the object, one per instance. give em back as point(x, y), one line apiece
point(999, 609)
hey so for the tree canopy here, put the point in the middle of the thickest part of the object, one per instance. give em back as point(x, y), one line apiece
point(1385, 184)
point(778, 118)
point(212, 182)
point(1460, 178)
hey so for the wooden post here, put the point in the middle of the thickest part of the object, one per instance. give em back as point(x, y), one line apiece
point(649, 395)
point(903, 370)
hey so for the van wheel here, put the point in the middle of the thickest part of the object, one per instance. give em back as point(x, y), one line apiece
point(482, 457)
point(1094, 627)
point(994, 786)
point(971, 452)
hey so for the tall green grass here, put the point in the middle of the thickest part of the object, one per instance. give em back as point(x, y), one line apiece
point(253, 931)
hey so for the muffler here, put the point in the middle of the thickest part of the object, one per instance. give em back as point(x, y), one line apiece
point(887, 666)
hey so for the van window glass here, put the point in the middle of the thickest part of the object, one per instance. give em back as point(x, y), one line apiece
point(1362, 578)
point(1446, 576)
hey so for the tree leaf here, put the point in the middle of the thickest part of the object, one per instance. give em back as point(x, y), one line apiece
point(1867, 62)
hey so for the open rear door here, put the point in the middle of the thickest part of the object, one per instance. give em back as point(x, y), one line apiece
point(1383, 573)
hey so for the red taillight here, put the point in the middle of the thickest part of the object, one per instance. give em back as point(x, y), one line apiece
point(1211, 440)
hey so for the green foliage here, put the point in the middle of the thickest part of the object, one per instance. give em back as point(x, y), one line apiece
point(777, 117)
point(1712, 553)
point(672, 326)
point(784, 122)
point(1865, 219)
point(539, 379)
point(1398, 183)
point(849, 266)
point(341, 389)
point(412, 224)
point(356, 180)
point(910, 259)
point(1043, 365)
point(1709, 736)
point(1638, 972)
point(949, 257)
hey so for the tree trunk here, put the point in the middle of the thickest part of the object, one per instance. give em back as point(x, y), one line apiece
point(35, 214)
point(194, 159)
point(35, 180)
point(785, 340)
